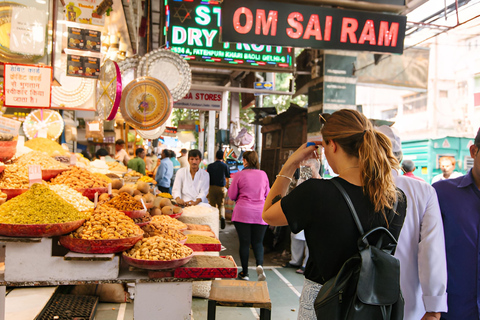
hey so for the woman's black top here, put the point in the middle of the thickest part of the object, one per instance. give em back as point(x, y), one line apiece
point(319, 208)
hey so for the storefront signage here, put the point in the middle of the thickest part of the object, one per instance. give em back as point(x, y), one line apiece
point(201, 100)
point(339, 93)
point(193, 31)
point(27, 33)
point(339, 66)
point(294, 25)
point(84, 11)
point(27, 86)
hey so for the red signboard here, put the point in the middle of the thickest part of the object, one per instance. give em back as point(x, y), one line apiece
point(293, 25)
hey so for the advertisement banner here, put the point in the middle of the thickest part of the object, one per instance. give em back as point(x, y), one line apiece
point(84, 11)
point(201, 100)
point(294, 25)
point(27, 86)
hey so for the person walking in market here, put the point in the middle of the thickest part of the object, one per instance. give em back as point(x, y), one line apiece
point(137, 163)
point(460, 206)
point(447, 165)
point(249, 189)
point(421, 245)
point(164, 172)
point(219, 179)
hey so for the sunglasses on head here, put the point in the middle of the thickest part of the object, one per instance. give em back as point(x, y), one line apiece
point(323, 117)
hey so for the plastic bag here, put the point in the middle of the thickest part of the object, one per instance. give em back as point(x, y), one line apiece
point(94, 129)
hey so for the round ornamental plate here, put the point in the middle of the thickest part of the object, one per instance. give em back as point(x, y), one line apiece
point(6, 55)
point(128, 69)
point(43, 123)
point(109, 90)
point(152, 134)
point(74, 92)
point(146, 103)
point(170, 68)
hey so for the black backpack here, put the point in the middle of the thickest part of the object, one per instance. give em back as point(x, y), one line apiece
point(367, 286)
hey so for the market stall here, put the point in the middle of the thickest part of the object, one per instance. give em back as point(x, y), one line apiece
point(67, 224)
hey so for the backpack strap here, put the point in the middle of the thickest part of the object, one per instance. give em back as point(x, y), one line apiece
point(351, 207)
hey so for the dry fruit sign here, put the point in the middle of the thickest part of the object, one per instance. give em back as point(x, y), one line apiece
point(294, 25)
point(193, 30)
point(27, 86)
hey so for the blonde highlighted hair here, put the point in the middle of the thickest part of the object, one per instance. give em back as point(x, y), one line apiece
point(357, 137)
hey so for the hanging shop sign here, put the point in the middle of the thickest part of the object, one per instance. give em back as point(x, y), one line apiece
point(201, 100)
point(193, 31)
point(294, 25)
point(27, 33)
point(27, 86)
point(84, 11)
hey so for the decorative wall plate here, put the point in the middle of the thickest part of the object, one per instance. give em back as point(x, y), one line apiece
point(41, 122)
point(74, 91)
point(128, 69)
point(170, 68)
point(5, 26)
point(146, 103)
point(152, 134)
point(109, 90)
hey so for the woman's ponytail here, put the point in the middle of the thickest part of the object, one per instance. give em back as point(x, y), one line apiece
point(355, 134)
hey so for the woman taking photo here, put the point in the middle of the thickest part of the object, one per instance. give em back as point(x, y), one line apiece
point(363, 159)
point(249, 189)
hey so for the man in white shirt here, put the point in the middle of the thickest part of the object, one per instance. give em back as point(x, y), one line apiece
point(421, 246)
point(191, 184)
point(120, 154)
point(447, 165)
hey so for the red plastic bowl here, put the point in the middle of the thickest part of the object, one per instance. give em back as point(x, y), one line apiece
point(142, 224)
point(39, 230)
point(135, 214)
point(12, 193)
point(7, 150)
point(90, 193)
point(175, 215)
point(48, 174)
point(2, 168)
point(98, 246)
point(156, 264)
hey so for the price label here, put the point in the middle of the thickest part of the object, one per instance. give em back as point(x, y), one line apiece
point(110, 188)
point(73, 160)
point(95, 199)
point(34, 174)
point(42, 133)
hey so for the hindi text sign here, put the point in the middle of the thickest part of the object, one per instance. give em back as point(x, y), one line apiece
point(27, 86)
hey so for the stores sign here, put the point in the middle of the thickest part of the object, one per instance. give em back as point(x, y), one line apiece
point(293, 25)
point(27, 86)
point(201, 100)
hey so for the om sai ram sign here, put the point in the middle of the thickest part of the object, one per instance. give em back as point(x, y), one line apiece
point(292, 25)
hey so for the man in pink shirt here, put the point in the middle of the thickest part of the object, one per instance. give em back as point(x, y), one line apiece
point(408, 167)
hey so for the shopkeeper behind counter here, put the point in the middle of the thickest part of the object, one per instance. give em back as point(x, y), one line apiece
point(191, 183)
point(121, 154)
point(137, 163)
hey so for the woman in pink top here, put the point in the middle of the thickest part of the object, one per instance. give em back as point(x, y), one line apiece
point(249, 189)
